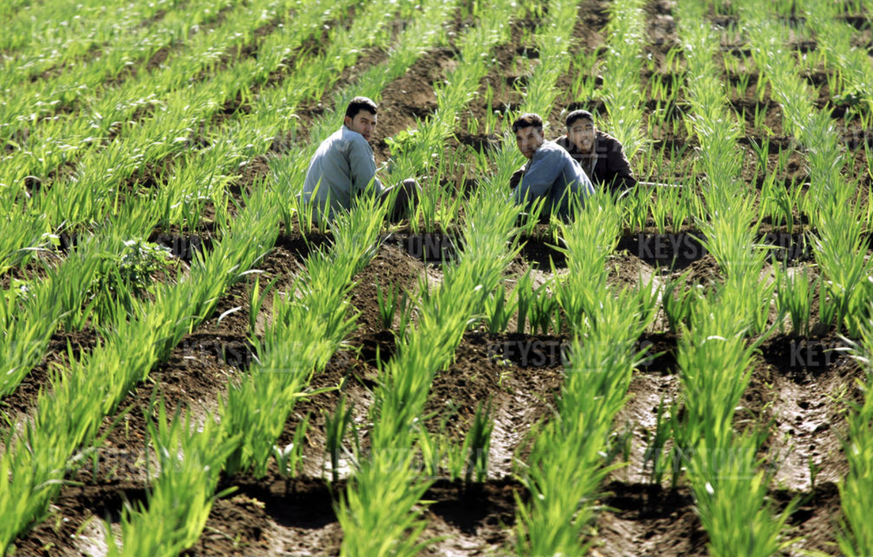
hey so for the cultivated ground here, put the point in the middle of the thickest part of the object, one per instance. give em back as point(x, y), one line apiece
point(800, 389)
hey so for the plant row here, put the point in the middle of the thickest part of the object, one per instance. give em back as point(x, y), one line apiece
point(378, 512)
point(75, 27)
point(309, 323)
point(30, 105)
point(134, 221)
point(566, 464)
point(714, 357)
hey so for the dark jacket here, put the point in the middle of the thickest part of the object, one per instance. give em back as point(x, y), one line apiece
point(608, 167)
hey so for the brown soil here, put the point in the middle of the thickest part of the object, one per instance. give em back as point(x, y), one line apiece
point(648, 521)
point(811, 387)
point(57, 356)
point(518, 375)
point(799, 392)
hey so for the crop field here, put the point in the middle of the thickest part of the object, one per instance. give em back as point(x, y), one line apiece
point(191, 366)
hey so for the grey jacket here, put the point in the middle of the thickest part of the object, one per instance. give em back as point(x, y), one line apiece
point(342, 168)
point(551, 173)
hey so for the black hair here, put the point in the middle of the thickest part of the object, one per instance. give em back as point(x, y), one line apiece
point(527, 120)
point(578, 115)
point(358, 104)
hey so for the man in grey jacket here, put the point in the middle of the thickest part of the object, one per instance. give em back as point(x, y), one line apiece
point(550, 171)
point(344, 168)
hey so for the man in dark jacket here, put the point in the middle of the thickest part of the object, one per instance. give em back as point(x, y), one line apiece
point(600, 155)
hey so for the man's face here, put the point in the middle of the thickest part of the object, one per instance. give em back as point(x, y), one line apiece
point(529, 139)
point(364, 123)
point(581, 134)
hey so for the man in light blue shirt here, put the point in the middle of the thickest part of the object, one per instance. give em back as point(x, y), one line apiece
point(550, 172)
point(344, 168)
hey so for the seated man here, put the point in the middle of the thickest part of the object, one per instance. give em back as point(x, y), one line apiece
point(550, 171)
point(601, 155)
point(344, 167)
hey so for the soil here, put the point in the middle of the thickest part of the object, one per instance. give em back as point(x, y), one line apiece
point(799, 394)
point(646, 520)
point(61, 347)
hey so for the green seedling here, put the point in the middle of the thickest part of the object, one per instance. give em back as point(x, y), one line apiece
point(336, 426)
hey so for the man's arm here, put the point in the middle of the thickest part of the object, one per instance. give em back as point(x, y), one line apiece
point(619, 167)
point(362, 167)
point(515, 179)
point(543, 170)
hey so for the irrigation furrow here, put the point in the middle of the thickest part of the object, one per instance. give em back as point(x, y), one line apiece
point(345, 256)
point(51, 60)
point(29, 107)
point(117, 111)
point(136, 218)
point(71, 26)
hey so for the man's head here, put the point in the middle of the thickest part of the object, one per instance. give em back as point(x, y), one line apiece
point(361, 116)
point(528, 130)
point(581, 130)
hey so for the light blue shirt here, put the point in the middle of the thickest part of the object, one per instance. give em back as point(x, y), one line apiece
point(550, 173)
point(342, 168)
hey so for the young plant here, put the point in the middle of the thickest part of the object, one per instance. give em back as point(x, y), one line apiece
point(657, 455)
point(844, 265)
point(290, 458)
point(181, 496)
point(660, 210)
point(388, 303)
point(635, 206)
point(336, 426)
point(678, 305)
point(856, 533)
point(478, 443)
point(525, 298)
point(256, 302)
point(498, 311)
point(794, 295)
point(542, 311)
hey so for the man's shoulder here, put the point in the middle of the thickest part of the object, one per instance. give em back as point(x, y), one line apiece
point(549, 147)
point(606, 139)
point(344, 137)
point(563, 142)
point(352, 137)
point(553, 150)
